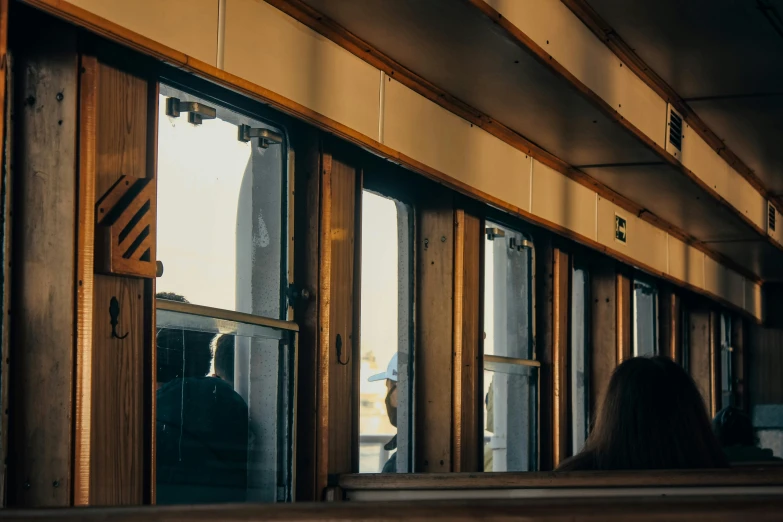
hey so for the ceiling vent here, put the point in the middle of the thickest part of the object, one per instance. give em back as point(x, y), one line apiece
point(674, 129)
point(772, 213)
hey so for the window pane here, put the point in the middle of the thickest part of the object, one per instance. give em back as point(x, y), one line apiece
point(386, 387)
point(224, 411)
point(645, 324)
point(508, 306)
point(510, 414)
point(220, 212)
point(579, 397)
point(726, 368)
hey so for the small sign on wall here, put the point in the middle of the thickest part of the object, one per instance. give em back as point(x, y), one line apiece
point(620, 229)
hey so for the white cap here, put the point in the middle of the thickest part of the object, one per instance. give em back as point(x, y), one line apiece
point(390, 373)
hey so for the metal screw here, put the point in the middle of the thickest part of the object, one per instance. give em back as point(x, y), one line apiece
point(426, 242)
point(59, 96)
point(442, 239)
point(56, 483)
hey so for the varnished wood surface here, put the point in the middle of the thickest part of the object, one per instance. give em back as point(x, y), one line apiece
point(119, 34)
point(118, 423)
point(44, 264)
point(751, 476)
point(603, 331)
point(85, 260)
point(467, 443)
point(341, 200)
point(561, 433)
point(700, 364)
point(434, 331)
point(722, 509)
point(624, 310)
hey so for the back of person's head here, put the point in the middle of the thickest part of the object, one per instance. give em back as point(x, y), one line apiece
point(183, 353)
point(224, 358)
point(733, 428)
point(653, 417)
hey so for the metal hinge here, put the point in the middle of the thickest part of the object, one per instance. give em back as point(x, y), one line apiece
point(515, 244)
point(265, 137)
point(493, 232)
point(197, 111)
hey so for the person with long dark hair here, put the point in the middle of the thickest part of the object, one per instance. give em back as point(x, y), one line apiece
point(652, 417)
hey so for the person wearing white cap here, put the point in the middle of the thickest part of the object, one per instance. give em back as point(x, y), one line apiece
point(390, 375)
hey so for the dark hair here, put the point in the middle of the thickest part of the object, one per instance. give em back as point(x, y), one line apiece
point(653, 417)
point(733, 428)
point(183, 353)
point(171, 296)
point(224, 358)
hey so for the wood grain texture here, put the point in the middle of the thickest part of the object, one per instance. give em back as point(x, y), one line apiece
point(117, 33)
point(342, 203)
point(306, 266)
point(434, 331)
point(669, 328)
point(544, 345)
point(700, 365)
point(603, 331)
point(119, 427)
point(624, 321)
point(85, 259)
point(717, 509)
point(561, 400)
point(467, 440)
point(44, 262)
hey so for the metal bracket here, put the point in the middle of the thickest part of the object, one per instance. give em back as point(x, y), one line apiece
point(265, 137)
point(514, 244)
point(493, 232)
point(197, 111)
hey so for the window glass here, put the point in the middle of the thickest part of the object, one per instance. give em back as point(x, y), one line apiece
point(510, 370)
point(645, 319)
point(386, 386)
point(726, 366)
point(579, 391)
point(220, 211)
point(510, 417)
point(508, 310)
point(224, 410)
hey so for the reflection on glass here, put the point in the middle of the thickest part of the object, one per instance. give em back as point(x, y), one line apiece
point(507, 293)
point(645, 319)
point(579, 397)
point(224, 416)
point(726, 368)
point(220, 212)
point(510, 413)
point(386, 391)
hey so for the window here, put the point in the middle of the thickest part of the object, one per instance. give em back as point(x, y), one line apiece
point(225, 380)
point(580, 399)
point(726, 366)
point(386, 386)
point(645, 319)
point(511, 372)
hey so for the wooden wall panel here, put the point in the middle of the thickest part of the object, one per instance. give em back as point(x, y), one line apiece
point(467, 443)
point(118, 424)
point(624, 317)
point(190, 27)
point(603, 331)
point(304, 67)
point(700, 365)
point(545, 340)
point(561, 372)
point(340, 195)
point(669, 332)
point(43, 249)
point(434, 331)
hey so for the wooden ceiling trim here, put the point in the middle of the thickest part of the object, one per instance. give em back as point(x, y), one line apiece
point(590, 17)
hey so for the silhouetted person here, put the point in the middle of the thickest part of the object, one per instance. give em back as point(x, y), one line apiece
point(736, 435)
point(390, 376)
point(653, 417)
point(224, 358)
point(202, 425)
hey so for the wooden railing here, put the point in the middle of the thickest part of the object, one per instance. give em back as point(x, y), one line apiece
point(719, 509)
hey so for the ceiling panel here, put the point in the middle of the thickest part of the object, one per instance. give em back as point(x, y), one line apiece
point(668, 194)
point(761, 257)
point(455, 47)
point(753, 128)
point(702, 47)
